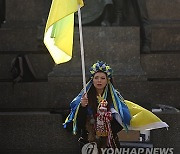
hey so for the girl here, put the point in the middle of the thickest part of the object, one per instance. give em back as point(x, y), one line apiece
point(101, 113)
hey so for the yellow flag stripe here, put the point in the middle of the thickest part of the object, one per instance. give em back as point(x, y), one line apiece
point(60, 9)
point(142, 117)
point(59, 29)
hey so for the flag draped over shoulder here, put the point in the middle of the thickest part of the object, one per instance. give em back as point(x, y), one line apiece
point(59, 30)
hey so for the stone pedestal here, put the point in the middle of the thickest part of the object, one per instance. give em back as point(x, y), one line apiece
point(25, 23)
point(14, 40)
point(168, 11)
point(168, 138)
point(25, 13)
point(165, 37)
point(35, 132)
point(165, 23)
point(118, 46)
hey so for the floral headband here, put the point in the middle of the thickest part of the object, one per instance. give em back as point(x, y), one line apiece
point(101, 66)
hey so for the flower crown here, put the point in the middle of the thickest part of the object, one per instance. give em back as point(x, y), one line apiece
point(101, 66)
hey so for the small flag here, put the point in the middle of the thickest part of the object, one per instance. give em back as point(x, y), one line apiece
point(59, 30)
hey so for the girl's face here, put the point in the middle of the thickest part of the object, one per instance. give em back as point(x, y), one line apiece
point(100, 81)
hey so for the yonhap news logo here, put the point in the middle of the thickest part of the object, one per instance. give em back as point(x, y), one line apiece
point(91, 148)
point(137, 150)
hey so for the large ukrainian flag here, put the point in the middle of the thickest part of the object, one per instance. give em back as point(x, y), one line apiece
point(59, 30)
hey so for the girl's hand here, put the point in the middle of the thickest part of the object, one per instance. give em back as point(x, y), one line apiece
point(84, 100)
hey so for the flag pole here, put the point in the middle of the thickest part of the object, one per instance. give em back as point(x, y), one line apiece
point(82, 49)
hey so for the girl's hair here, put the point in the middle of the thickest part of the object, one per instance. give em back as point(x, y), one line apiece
point(92, 98)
